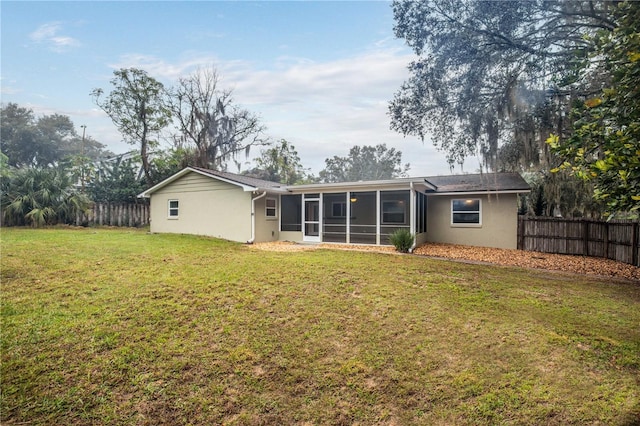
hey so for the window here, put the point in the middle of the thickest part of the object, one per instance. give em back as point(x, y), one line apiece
point(173, 209)
point(465, 212)
point(271, 210)
point(393, 211)
point(339, 209)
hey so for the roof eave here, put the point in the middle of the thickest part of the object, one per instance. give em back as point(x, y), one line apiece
point(482, 192)
point(272, 190)
point(357, 184)
point(148, 192)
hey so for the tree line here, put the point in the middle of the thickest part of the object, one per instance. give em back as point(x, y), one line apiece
point(546, 88)
point(51, 171)
point(549, 89)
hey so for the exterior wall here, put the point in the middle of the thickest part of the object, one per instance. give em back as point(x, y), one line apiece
point(421, 238)
point(499, 226)
point(266, 227)
point(295, 236)
point(206, 207)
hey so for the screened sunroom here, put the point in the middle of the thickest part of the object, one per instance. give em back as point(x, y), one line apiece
point(353, 217)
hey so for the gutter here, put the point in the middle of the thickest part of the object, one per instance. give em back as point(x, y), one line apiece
point(253, 216)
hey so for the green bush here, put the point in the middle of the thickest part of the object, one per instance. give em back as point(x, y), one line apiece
point(402, 240)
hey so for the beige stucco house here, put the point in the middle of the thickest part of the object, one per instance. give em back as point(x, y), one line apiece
point(472, 209)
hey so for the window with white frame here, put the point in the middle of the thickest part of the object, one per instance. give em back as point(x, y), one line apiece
point(271, 208)
point(173, 209)
point(466, 212)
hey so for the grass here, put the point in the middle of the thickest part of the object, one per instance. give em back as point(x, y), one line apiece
point(123, 327)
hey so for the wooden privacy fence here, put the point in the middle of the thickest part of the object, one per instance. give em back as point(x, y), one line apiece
point(617, 240)
point(108, 214)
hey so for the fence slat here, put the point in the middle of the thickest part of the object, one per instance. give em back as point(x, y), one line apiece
point(132, 215)
point(617, 240)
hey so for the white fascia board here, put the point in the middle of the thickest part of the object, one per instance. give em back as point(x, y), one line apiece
point(267, 190)
point(511, 191)
point(371, 185)
point(429, 185)
point(275, 190)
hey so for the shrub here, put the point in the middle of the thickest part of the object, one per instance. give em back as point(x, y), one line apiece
point(402, 240)
point(39, 197)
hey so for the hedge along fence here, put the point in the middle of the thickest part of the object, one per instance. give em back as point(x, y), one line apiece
point(108, 214)
point(618, 240)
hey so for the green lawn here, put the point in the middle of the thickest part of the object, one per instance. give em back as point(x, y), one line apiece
point(122, 327)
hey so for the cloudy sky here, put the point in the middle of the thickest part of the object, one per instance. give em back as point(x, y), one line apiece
point(319, 74)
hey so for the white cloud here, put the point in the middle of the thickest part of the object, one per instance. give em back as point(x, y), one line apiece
point(326, 108)
point(323, 108)
point(162, 70)
point(48, 34)
point(7, 88)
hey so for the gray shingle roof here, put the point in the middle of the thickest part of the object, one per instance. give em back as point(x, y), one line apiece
point(479, 182)
point(483, 182)
point(243, 180)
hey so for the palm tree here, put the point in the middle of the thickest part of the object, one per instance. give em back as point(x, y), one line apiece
point(39, 197)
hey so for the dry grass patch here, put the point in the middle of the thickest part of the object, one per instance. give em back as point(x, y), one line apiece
point(123, 327)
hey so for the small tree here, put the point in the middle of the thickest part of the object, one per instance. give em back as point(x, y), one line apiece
point(279, 163)
point(117, 181)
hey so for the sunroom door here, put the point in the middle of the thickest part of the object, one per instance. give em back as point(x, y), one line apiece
point(311, 220)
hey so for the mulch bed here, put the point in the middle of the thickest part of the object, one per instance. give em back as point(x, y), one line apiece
point(527, 259)
point(530, 259)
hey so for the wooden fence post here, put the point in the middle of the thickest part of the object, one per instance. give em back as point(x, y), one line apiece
point(520, 243)
point(585, 237)
point(606, 240)
point(634, 243)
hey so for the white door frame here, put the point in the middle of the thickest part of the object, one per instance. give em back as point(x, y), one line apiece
point(311, 238)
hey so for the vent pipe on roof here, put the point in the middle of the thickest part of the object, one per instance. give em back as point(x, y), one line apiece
point(253, 216)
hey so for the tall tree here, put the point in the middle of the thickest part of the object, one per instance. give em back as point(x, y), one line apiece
point(605, 146)
point(47, 140)
point(19, 135)
point(137, 105)
point(484, 70)
point(365, 163)
point(209, 122)
point(280, 163)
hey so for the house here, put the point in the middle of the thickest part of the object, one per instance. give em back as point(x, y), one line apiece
point(471, 209)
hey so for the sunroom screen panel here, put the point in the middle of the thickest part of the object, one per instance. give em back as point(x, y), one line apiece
point(334, 217)
point(363, 217)
point(394, 213)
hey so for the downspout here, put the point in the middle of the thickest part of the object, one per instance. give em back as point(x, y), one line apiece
point(412, 214)
point(253, 217)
